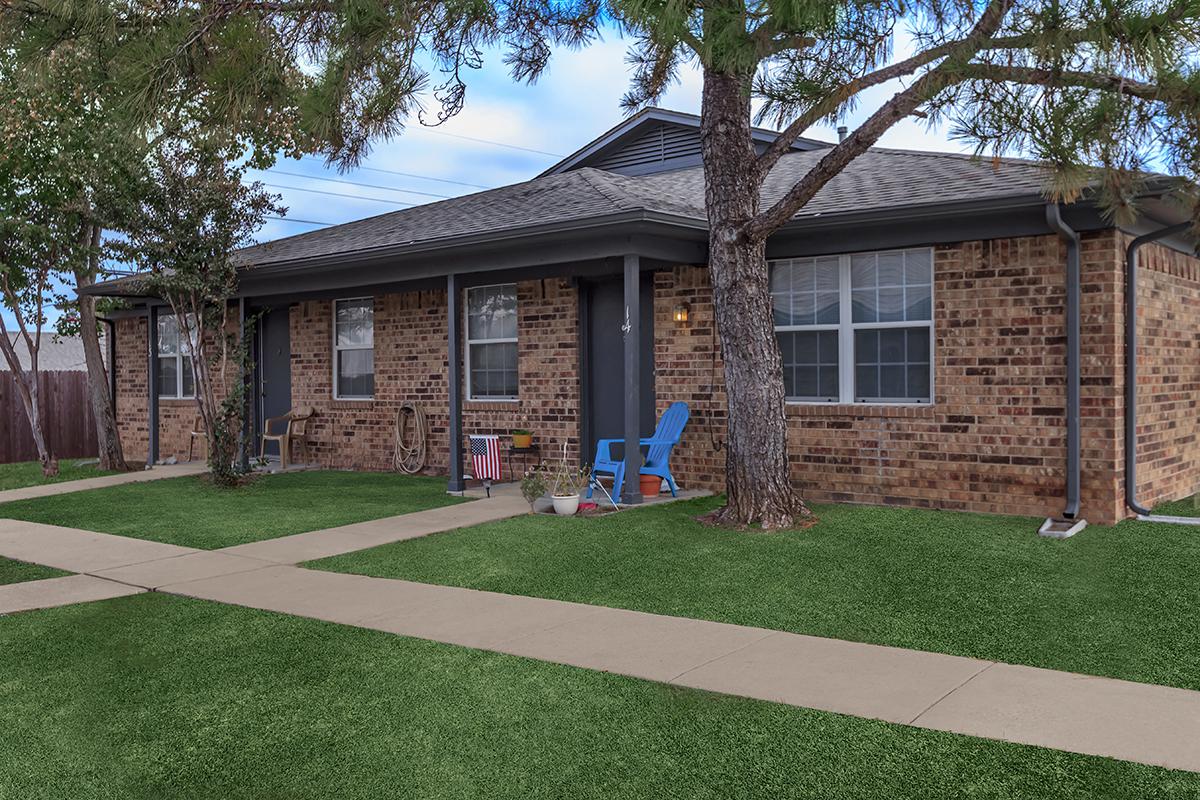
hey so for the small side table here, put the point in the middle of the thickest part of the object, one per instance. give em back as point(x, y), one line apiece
point(527, 455)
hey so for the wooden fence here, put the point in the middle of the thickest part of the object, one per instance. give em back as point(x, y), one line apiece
point(70, 426)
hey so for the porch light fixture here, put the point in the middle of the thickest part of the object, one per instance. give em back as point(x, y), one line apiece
point(680, 313)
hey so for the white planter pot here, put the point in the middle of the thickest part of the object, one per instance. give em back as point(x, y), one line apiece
point(566, 505)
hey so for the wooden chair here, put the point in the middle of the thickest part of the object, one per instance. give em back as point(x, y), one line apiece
point(294, 429)
point(197, 433)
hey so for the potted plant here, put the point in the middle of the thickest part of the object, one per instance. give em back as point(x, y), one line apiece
point(650, 485)
point(566, 482)
point(533, 486)
point(522, 439)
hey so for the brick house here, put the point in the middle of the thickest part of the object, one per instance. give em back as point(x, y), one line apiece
point(929, 308)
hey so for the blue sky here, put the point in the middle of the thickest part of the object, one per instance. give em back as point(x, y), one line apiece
point(576, 100)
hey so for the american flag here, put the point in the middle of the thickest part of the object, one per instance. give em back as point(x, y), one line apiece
point(485, 457)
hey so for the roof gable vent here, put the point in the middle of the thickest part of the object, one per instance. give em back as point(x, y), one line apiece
point(662, 146)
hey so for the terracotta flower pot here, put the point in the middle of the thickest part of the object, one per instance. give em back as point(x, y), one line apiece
point(651, 485)
point(522, 441)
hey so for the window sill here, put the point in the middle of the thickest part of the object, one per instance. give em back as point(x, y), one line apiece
point(176, 401)
point(897, 410)
point(486, 404)
point(357, 403)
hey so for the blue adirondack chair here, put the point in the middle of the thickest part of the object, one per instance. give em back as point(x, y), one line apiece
point(658, 454)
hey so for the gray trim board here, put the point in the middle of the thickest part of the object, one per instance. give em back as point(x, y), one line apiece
point(454, 381)
point(631, 490)
point(152, 384)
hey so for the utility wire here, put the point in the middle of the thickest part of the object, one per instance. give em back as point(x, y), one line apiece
point(356, 183)
point(302, 221)
point(406, 174)
point(338, 194)
point(489, 141)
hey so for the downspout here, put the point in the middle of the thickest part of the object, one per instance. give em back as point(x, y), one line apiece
point(1131, 310)
point(1070, 523)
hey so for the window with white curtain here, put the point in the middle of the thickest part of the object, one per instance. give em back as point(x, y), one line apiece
point(354, 349)
point(492, 342)
point(175, 378)
point(856, 328)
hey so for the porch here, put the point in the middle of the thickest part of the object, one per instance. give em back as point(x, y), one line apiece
point(585, 365)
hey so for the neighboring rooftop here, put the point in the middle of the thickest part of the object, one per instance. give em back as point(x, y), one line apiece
point(55, 354)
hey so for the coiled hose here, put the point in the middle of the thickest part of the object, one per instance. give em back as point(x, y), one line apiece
point(409, 456)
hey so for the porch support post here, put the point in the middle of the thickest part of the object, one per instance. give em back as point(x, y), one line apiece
point(247, 387)
point(454, 365)
point(631, 492)
point(152, 384)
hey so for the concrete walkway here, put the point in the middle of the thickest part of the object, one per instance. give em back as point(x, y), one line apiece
point(138, 476)
point(1084, 714)
point(1099, 716)
point(362, 535)
point(65, 591)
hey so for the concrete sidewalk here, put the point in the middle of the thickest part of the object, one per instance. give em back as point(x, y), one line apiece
point(372, 533)
point(64, 591)
point(139, 476)
point(1098, 716)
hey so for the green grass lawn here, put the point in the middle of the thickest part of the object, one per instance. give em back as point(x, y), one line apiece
point(19, 571)
point(1120, 601)
point(190, 511)
point(156, 696)
point(29, 473)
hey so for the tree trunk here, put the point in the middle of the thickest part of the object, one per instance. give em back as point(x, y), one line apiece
point(108, 437)
point(756, 463)
point(27, 388)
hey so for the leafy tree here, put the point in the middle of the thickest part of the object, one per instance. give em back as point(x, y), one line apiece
point(194, 211)
point(43, 235)
point(1097, 89)
point(66, 161)
point(66, 92)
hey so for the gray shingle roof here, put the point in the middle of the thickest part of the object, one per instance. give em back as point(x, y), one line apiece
point(64, 353)
point(879, 179)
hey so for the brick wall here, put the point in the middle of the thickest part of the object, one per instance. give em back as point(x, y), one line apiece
point(410, 364)
point(994, 441)
point(689, 369)
point(133, 420)
point(176, 417)
point(1168, 374)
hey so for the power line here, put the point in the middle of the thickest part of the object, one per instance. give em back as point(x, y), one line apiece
point(489, 141)
point(356, 183)
point(408, 175)
point(338, 194)
point(302, 221)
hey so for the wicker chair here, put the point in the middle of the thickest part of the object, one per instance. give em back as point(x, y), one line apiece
point(292, 427)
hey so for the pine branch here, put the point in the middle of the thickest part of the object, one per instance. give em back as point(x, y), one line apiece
point(1088, 34)
point(896, 109)
point(1033, 76)
point(830, 103)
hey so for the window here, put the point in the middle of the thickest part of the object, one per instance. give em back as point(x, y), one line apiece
point(354, 349)
point(175, 378)
point(492, 342)
point(856, 328)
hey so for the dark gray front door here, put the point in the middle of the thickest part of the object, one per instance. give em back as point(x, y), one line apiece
point(274, 365)
point(605, 404)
